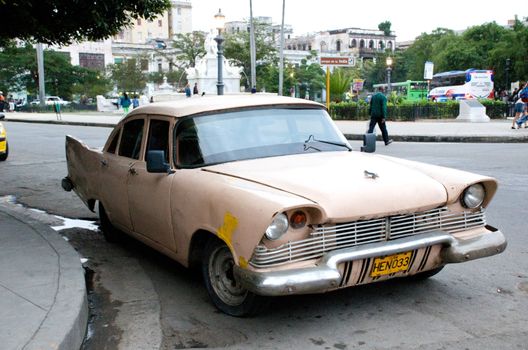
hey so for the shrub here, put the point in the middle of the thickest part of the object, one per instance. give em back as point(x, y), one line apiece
point(410, 111)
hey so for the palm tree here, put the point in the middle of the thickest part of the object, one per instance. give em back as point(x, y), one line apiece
point(339, 84)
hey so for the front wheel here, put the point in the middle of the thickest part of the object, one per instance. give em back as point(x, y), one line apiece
point(224, 290)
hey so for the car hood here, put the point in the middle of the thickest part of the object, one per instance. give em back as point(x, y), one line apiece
point(347, 185)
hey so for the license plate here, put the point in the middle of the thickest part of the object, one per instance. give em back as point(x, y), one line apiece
point(391, 264)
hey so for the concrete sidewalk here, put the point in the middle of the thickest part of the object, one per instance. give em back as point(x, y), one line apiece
point(43, 303)
point(439, 130)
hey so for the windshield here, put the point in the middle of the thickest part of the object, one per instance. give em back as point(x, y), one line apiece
point(257, 133)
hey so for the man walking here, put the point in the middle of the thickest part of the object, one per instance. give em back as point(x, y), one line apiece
point(378, 114)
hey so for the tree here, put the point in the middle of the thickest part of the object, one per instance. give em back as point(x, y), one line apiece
point(18, 72)
point(191, 47)
point(175, 77)
point(15, 66)
point(385, 27)
point(339, 84)
point(513, 47)
point(237, 50)
point(310, 76)
point(90, 83)
point(457, 54)
point(423, 49)
point(376, 73)
point(128, 76)
point(63, 21)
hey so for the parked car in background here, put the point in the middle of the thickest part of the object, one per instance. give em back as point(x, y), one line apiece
point(4, 146)
point(51, 100)
point(266, 197)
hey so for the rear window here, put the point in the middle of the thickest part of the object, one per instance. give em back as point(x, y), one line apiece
point(131, 139)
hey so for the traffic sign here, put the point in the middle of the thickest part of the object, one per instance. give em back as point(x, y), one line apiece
point(337, 61)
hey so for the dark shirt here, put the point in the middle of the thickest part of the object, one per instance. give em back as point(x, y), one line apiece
point(378, 106)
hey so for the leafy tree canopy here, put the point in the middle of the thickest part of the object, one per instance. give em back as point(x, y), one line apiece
point(385, 27)
point(66, 21)
point(18, 72)
point(237, 49)
point(128, 76)
point(486, 46)
point(191, 47)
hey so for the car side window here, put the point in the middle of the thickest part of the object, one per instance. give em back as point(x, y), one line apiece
point(158, 138)
point(130, 145)
point(113, 144)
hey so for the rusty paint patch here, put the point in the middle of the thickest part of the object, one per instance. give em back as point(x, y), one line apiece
point(225, 232)
point(242, 262)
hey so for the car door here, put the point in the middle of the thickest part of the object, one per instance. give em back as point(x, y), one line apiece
point(149, 193)
point(116, 166)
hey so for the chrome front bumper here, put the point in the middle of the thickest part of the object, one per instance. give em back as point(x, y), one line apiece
point(326, 275)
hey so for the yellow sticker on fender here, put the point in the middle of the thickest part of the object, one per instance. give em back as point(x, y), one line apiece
point(391, 264)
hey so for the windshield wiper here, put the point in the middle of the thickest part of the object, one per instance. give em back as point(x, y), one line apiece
point(311, 138)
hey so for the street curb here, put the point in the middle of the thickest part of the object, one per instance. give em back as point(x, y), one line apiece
point(351, 137)
point(64, 325)
point(61, 122)
point(443, 138)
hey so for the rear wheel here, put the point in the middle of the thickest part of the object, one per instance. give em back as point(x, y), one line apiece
point(4, 156)
point(224, 290)
point(111, 234)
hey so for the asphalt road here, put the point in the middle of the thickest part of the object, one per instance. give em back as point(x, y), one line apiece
point(142, 300)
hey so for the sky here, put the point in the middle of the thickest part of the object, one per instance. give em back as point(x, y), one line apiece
point(409, 18)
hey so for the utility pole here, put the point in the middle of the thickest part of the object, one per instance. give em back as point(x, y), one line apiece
point(281, 64)
point(252, 47)
point(508, 66)
point(40, 65)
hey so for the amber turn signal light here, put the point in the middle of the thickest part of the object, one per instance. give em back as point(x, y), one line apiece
point(298, 219)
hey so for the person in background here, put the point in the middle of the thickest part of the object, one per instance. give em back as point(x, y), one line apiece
point(523, 119)
point(135, 102)
point(188, 90)
point(195, 89)
point(519, 107)
point(125, 102)
point(2, 101)
point(378, 114)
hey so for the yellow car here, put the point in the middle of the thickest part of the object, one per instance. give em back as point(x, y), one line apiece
point(4, 147)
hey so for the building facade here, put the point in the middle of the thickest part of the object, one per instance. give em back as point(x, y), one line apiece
point(358, 43)
point(140, 40)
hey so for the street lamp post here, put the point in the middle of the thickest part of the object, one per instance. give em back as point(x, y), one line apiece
point(220, 21)
point(389, 68)
point(508, 66)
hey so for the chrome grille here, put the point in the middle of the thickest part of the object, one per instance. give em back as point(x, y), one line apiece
point(327, 238)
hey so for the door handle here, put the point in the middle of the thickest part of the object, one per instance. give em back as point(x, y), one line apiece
point(132, 171)
point(104, 162)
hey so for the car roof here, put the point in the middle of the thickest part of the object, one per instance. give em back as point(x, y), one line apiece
point(205, 104)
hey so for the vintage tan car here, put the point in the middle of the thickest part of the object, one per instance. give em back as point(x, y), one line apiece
point(267, 197)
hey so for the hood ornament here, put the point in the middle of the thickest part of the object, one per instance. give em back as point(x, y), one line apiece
point(370, 175)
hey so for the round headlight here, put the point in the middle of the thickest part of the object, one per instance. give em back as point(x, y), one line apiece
point(473, 196)
point(278, 227)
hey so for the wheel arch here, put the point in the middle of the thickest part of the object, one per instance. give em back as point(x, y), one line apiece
point(197, 246)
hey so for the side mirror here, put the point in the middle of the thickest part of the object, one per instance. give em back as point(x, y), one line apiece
point(156, 162)
point(369, 143)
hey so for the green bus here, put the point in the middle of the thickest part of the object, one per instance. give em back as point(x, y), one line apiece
point(410, 90)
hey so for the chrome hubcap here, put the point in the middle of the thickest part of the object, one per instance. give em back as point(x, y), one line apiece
point(222, 277)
